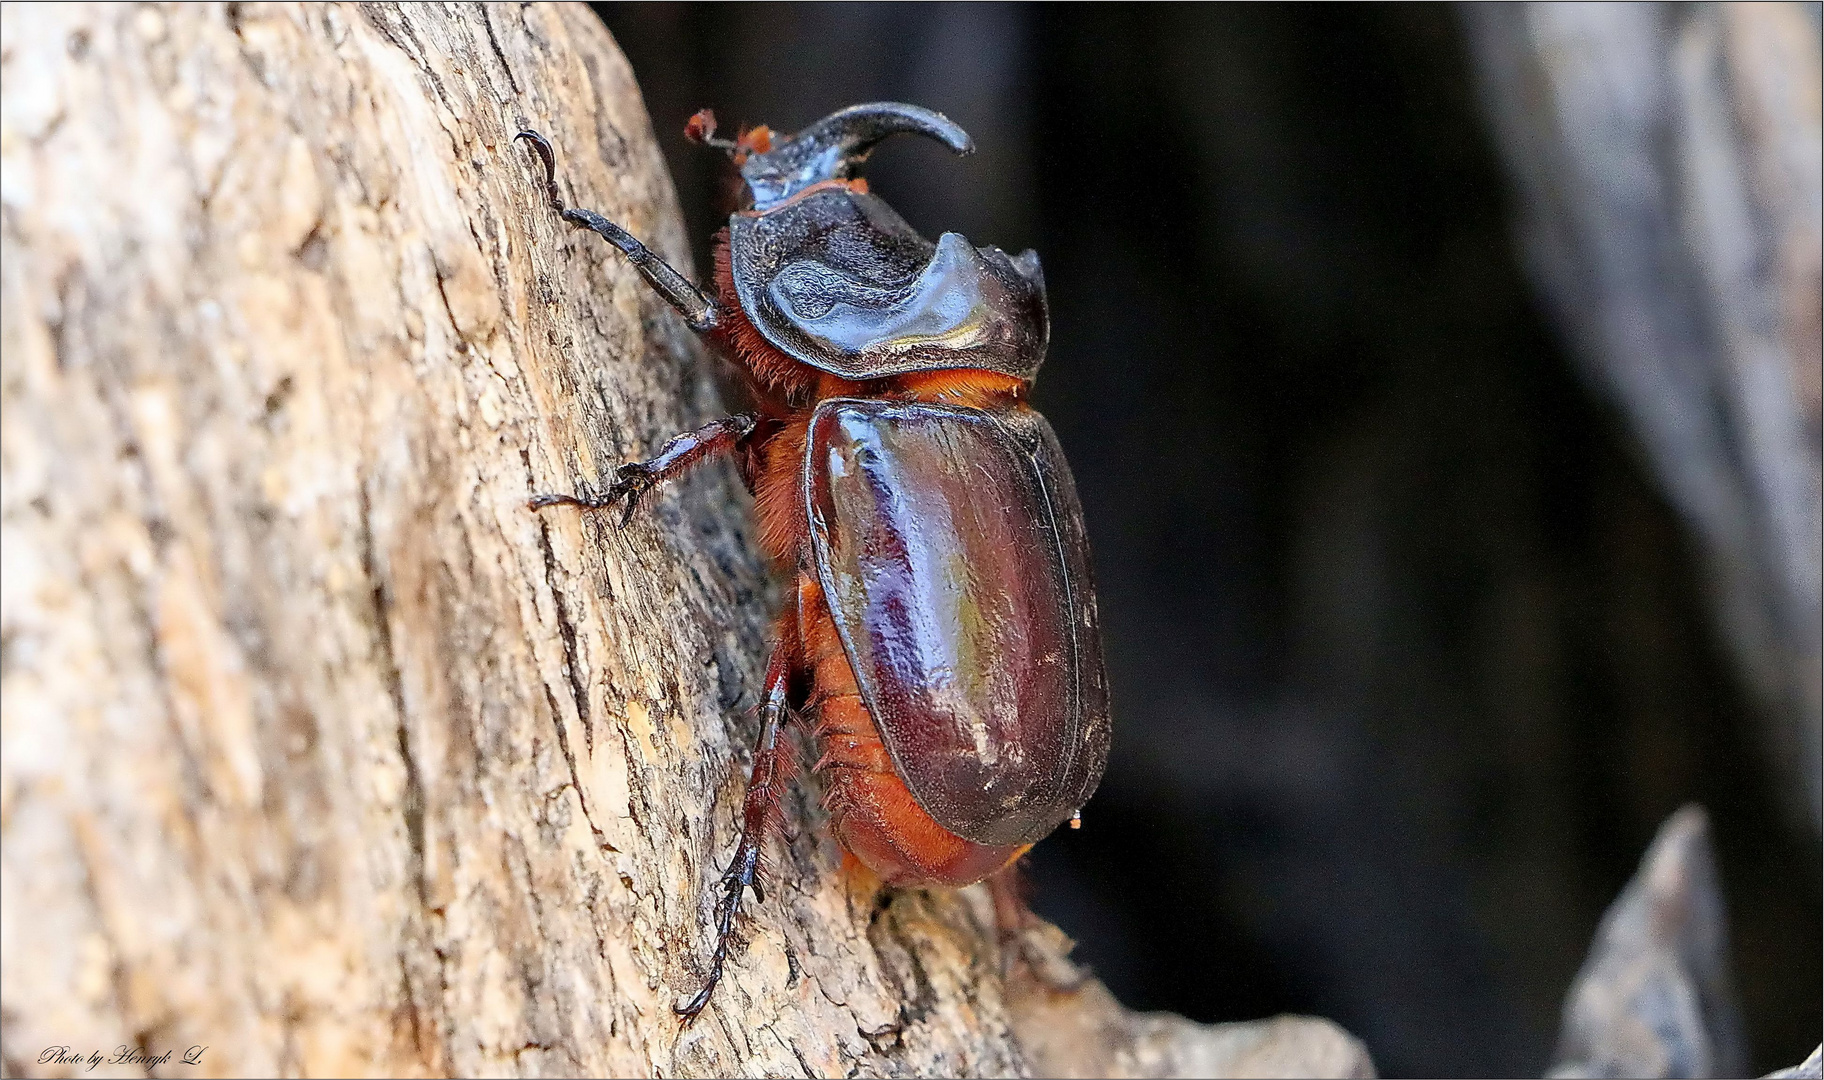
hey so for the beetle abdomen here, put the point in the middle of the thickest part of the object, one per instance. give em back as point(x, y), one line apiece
point(874, 814)
point(950, 547)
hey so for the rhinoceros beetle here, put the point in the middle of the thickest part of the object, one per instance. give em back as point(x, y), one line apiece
point(941, 627)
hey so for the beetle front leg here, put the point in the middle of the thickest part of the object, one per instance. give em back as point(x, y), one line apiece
point(680, 453)
point(760, 815)
point(700, 310)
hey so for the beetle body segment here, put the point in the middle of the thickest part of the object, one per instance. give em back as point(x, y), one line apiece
point(950, 548)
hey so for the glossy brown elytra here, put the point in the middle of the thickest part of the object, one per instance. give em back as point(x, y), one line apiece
point(942, 624)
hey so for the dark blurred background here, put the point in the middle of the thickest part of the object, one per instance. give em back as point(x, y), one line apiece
point(1411, 653)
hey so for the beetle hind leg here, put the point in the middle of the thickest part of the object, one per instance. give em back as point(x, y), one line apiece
point(760, 812)
point(701, 311)
point(1021, 950)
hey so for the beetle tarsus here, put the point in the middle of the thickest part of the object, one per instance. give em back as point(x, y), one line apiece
point(701, 312)
point(759, 808)
point(742, 874)
point(631, 483)
point(743, 870)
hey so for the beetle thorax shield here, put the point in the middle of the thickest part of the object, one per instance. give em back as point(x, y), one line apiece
point(833, 277)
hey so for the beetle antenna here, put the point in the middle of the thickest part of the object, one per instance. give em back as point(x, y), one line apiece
point(701, 312)
point(701, 128)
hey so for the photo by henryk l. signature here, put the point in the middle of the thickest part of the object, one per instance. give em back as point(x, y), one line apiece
point(120, 1055)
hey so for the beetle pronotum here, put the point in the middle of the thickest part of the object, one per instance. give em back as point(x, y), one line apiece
point(942, 623)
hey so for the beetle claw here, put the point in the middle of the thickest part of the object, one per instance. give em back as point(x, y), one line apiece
point(542, 148)
point(689, 1010)
point(631, 483)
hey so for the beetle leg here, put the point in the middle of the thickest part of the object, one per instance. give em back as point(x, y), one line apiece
point(680, 453)
point(700, 310)
point(1011, 914)
point(773, 767)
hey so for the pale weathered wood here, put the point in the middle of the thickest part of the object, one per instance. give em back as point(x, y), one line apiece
point(1654, 997)
point(1666, 163)
point(320, 750)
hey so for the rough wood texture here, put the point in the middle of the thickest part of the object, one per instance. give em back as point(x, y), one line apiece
point(319, 749)
point(1667, 165)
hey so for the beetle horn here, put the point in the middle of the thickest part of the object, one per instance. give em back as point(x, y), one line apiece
point(832, 147)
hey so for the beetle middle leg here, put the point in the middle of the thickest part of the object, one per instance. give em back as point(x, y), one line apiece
point(680, 453)
point(760, 813)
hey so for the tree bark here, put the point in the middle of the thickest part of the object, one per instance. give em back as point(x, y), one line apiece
point(321, 751)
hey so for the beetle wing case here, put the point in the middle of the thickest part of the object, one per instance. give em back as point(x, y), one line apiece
point(951, 549)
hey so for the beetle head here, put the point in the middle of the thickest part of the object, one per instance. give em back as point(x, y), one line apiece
point(833, 277)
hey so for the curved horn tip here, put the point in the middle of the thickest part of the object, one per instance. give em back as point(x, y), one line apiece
point(930, 122)
point(964, 146)
point(876, 120)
